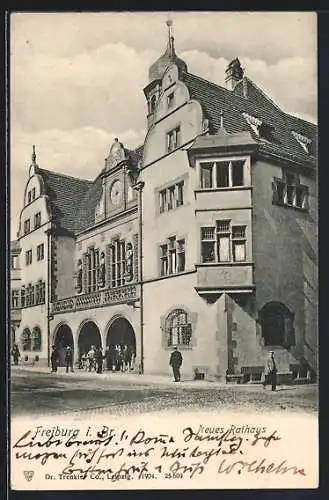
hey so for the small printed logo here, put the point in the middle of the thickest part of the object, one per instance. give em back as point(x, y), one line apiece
point(29, 475)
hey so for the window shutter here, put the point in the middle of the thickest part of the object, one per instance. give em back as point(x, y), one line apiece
point(84, 272)
point(135, 262)
point(108, 265)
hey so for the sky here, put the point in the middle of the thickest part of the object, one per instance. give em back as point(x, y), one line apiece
point(77, 79)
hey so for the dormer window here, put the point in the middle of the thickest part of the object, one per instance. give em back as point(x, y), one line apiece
point(254, 123)
point(29, 197)
point(305, 142)
point(262, 129)
point(171, 100)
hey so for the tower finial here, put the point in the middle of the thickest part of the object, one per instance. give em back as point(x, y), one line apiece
point(34, 156)
point(169, 24)
point(221, 118)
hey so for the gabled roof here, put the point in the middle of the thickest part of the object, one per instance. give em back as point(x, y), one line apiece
point(215, 99)
point(65, 197)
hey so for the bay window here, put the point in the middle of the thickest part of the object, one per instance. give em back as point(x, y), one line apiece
point(222, 174)
point(223, 243)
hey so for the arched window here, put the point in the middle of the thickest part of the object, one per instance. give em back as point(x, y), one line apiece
point(277, 325)
point(178, 328)
point(26, 339)
point(36, 339)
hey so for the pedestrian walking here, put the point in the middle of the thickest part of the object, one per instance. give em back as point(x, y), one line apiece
point(69, 359)
point(270, 371)
point(15, 354)
point(54, 358)
point(176, 360)
point(99, 359)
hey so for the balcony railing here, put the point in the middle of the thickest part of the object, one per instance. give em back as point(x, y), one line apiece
point(119, 295)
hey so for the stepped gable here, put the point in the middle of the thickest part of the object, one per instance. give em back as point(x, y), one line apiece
point(215, 100)
point(65, 196)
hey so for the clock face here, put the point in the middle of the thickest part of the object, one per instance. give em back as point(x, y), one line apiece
point(116, 192)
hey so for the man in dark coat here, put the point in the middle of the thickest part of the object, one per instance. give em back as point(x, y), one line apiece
point(69, 359)
point(54, 359)
point(16, 354)
point(99, 360)
point(176, 360)
point(270, 371)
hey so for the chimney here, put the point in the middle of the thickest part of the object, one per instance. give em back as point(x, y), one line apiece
point(234, 73)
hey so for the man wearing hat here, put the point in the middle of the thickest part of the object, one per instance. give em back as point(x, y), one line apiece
point(175, 362)
point(54, 358)
point(69, 359)
point(270, 371)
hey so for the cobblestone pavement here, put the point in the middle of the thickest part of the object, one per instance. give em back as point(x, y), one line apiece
point(39, 392)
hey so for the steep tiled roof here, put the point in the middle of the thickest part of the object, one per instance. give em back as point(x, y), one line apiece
point(86, 216)
point(65, 196)
point(215, 99)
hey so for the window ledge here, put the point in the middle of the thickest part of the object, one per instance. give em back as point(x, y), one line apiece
point(287, 205)
point(230, 263)
point(228, 188)
point(179, 347)
point(172, 209)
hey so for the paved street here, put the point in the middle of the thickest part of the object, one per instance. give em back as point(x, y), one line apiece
point(37, 392)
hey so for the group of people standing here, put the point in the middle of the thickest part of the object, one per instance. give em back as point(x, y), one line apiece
point(116, 358)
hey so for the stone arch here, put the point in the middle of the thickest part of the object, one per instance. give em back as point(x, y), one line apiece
point(88, 335)
point(63, 337)
point(277, 324)
point(120, 332)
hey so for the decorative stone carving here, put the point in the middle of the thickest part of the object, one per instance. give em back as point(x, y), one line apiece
point(129, 262)
point(117, 155)
point(101, 272)
point(119, 295)
point(79, 277)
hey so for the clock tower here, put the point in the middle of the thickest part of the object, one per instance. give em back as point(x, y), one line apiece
point(117, 180)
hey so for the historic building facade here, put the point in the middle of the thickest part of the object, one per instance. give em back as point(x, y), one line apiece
point(15, 290)
point(204, 237)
